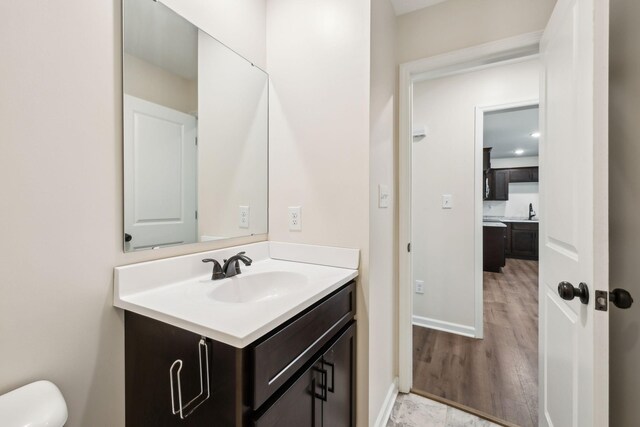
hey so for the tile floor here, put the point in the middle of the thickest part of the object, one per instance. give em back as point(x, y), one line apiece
point(411, 410)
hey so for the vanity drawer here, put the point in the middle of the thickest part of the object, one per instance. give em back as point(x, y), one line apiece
point(276, 358)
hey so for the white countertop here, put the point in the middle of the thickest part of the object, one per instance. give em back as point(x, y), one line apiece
point(494, 224)
point(178, 290)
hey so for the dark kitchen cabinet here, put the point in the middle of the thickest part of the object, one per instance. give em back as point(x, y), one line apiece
point(486, 158)
point(493, 241)
point(302, 373)
point(529, 174)
point(498, 182)
point(522, 240)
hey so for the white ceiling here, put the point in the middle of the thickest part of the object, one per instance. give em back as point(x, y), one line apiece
point(405, 6)
point(156, 34)
point(510, 130)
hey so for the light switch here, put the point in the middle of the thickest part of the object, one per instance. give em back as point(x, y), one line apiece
point(383, 196)
point(419, 287)
point(447, 201)
point(244, 217)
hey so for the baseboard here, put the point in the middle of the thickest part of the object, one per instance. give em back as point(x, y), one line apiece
point(454, 328)
point(387, 405)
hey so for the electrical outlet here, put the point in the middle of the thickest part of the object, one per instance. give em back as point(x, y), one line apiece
point(244, 217)
point(295, 218)
point(419, 286)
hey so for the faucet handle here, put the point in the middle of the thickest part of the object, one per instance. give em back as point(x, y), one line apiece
point(217, 273)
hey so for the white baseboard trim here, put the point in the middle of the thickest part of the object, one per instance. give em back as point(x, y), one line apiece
point(387, 405)
point(454, 328)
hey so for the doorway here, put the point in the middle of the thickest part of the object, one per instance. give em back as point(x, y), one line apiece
point(459, 351)
point(490, 367)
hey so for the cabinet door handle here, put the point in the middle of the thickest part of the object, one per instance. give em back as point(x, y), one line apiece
point(323, 384)
point(333, 375)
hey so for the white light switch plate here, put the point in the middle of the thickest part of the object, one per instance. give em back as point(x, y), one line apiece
point(295, 218)
point(244, 217)
point(383, 196)
point(447, 201)
point(419, 287)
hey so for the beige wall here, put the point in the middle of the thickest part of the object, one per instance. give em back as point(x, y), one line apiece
point(383, 300)
point(61, 215)
point(624, 228)
point(152, 83)
point(232, 142)
point(318, 60)
point(456, 24)
point(443, 242)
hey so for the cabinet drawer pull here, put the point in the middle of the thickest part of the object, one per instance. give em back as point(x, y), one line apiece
point(204, 394)
point(323, 384)
point(333, 375)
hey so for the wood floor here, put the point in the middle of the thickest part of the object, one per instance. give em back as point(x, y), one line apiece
point(497, 375)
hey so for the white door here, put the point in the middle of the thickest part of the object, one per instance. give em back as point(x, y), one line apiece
point(574, 341)
point(160, 157)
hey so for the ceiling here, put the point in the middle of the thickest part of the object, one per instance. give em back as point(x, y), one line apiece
point(156, 34)
point(405, 6)
point(510, 130)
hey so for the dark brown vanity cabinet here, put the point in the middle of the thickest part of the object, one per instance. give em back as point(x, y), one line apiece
point(300, 374)
point(324, 394)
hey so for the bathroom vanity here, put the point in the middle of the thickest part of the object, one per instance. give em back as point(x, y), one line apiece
point(198, 353)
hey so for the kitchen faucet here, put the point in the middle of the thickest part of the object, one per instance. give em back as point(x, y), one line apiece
point(531, 212)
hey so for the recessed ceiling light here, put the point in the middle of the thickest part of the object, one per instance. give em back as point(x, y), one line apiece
point(519, 152)
point(535, 135)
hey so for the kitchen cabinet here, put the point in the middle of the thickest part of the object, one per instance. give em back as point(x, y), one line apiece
point(522, 240)
point(301, 373)
point(529, 174)
point(486, 158)
point(493, 241)
point(498, 182)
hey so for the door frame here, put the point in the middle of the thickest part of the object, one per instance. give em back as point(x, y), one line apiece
point(511, 50)
point(479, 203)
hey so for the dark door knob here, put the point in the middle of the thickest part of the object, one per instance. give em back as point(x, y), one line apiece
point(127, 237)
point(568, 292)
point(620, 298)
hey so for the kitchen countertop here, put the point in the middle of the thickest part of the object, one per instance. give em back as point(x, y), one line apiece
point(507, 219)
point(494, 224)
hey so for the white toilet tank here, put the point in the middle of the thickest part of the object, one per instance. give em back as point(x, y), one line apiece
point(39, 404)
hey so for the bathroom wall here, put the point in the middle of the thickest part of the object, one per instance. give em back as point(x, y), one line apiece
point(61, 168)
point(233, 110)
point(456, 24)
point(624, 227)
point(443, 239)
point(152, 83)
point(383, 235)
point(318, 59)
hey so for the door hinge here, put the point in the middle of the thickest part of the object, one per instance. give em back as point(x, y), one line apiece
point(196, 214)
point(196, 140)
point(409, 247)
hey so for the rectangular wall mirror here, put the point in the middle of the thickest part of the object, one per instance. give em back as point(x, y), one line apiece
point(195, 133)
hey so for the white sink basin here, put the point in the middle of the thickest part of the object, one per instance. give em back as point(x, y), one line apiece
point(259, 286)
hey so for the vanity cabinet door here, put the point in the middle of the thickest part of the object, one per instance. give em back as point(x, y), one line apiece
point(339, 362)
point(152, 348)
point(300, 405)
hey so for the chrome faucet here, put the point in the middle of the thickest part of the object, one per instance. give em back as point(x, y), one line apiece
point(231, 266)
point(531, 212)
